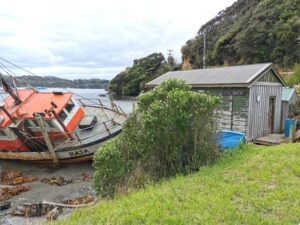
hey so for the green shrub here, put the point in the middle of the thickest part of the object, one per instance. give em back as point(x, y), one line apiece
point(294, 78)
point(109, 166)
point(172, 131)
point(178, 128)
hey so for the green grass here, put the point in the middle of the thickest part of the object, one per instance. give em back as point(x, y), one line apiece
point(258, 185)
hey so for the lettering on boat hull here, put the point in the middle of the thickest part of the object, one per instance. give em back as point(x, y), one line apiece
point(79, 152)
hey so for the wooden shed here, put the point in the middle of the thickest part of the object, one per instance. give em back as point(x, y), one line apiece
point(250, 95)
point(289, 99)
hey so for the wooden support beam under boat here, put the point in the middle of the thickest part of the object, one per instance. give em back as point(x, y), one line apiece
point(40, 121)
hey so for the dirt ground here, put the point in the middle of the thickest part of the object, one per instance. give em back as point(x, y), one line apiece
point(78, 174)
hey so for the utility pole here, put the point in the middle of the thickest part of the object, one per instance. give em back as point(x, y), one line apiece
point(204, 49)
point(171, 60)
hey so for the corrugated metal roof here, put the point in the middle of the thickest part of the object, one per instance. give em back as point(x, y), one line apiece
point(223, 76)
point(287, 93)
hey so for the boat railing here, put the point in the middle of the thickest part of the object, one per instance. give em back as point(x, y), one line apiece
point(78, 138)
point(105, 104)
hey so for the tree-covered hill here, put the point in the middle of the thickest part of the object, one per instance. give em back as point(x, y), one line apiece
point(249, 31)
point(133, 79)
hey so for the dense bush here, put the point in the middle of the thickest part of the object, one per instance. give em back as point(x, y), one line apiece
point(249, 31)
point(294, 78)
point(109, 167)
point(171, 132)
point(133, 79)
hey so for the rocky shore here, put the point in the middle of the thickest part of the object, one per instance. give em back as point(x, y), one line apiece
point(68, 184)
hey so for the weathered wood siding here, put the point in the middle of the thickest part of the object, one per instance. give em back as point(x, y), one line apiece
point(284, 113)
point(258, 110)
point(269, 77)
point(233, 111)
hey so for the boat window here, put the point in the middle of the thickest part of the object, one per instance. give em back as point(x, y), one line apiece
point(49, 124)
point(27, 123)
point(31, 123)
point(62, 115)
point(3, 133)
point(35, 123)
point(70, 105)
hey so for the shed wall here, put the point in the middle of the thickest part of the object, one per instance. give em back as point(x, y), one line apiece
point(233, 111)
point(259, 110)
point(284, 113)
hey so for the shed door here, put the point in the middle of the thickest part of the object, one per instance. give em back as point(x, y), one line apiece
point(271, 115)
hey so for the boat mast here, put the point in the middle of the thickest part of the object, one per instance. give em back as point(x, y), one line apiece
point(8, 89)
point(15, 86)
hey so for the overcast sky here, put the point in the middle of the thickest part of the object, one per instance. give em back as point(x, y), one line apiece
point(90, 38)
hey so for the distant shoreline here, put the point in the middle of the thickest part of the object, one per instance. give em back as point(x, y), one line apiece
point(55, 82)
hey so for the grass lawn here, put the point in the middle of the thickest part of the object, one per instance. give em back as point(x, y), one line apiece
point(258, 185)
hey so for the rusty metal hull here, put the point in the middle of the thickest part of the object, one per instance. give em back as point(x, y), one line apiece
point(42, 158)
point(85, 142)
point(71, 155)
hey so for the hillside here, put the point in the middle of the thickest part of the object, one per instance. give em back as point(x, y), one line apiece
point(51, 81)
point(133, 79)
point(249, 31)
point(256, 185)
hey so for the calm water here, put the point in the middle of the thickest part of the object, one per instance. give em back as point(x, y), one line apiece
point(125, 104)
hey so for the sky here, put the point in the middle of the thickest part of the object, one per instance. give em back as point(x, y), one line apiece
point(94, 38)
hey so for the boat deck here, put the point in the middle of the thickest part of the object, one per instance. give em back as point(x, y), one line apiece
point(108, 123)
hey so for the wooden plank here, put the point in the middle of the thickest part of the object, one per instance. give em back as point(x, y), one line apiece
point(270, 139)
point(40, 121)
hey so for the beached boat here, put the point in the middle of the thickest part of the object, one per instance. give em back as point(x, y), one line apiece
point(54, 127)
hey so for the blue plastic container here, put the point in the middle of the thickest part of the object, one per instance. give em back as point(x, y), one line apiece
point(288, 124)
point(228, 139)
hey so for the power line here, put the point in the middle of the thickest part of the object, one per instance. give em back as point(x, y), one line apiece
point(19, 67)
point(5, 69)
point(10, 73)
point(204, 49)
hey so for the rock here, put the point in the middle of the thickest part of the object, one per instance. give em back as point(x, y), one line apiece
point(58, 181)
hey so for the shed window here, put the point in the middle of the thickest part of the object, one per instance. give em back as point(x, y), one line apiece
point(62, 115)
point(70, 105)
